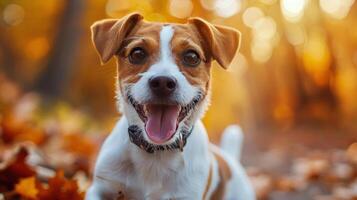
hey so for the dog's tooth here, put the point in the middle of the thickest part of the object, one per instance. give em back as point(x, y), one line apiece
point(145, 110)
point(180, 142)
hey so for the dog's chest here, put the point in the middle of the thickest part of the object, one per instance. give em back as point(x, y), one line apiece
point(160, 178)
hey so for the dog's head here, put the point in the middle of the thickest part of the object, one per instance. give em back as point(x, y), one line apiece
point(163, 71)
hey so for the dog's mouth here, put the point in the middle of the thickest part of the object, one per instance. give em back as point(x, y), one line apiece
point(162, 120)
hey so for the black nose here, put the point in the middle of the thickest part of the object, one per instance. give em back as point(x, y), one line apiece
point(162, 85)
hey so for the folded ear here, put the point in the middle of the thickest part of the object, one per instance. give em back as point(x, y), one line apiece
point(223, 42)
point(108, 34)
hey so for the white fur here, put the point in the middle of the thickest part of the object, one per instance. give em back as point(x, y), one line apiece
point(122, 166)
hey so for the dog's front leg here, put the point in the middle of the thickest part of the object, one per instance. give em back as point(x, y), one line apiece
point(100, 190)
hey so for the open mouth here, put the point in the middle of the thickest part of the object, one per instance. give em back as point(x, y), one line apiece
point(162, 120)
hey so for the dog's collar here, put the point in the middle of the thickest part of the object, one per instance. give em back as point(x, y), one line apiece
point(136, 137)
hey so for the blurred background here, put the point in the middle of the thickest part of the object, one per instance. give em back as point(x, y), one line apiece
point(292, 87)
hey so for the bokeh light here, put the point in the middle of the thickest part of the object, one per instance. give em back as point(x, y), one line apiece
point(13, 14)
point(264, 35)
point(114, 6)
point(37, 48)
point(264, 28)
point(336, 8)
point(251, 15)
point(181, 8)
point(261, 51)
point(208, 4)
point(295, 34)
point(293, 10)
point(227, 8)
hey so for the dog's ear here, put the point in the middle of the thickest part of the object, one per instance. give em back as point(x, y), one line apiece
point(223, 42)
point(108, 34)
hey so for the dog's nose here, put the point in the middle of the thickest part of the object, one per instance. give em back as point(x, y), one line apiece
point(162, 85)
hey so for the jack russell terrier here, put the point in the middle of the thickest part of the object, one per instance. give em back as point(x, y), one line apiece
point(159, 149)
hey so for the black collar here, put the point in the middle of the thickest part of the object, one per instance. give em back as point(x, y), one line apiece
point(136, 137)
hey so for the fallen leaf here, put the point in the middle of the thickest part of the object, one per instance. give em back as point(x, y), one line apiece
point(15, 168)
point(59, 188)
point(27, 188)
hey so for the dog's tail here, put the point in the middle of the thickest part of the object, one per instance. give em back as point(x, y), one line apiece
point(232, 141)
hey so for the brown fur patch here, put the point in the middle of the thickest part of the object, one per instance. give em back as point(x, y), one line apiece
point(186, 38)
point(147, 36)
point(225, 175)
point(222, 42)
point(209, 182)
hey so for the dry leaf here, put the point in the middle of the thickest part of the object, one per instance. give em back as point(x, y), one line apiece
point(27, 188)
point(14, 169)
point(59, 188)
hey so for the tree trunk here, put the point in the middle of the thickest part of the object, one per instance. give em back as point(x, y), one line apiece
point(8, 57)
point(56, 74)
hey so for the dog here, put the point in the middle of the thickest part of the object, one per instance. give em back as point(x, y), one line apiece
point(159, 149)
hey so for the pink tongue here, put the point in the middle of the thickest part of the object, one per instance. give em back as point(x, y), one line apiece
point(162, 121)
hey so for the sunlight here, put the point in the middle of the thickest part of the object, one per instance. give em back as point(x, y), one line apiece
point(251, 15)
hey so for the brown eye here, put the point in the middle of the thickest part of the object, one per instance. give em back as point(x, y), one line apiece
point(137, 56)
point(191, 58)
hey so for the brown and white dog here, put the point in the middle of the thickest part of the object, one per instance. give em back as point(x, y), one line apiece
point(159, 148)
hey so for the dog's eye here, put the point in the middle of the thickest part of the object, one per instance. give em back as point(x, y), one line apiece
point(137, 56)
point(191, 58)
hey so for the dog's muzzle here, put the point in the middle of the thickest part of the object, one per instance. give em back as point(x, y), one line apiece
point(177, 139)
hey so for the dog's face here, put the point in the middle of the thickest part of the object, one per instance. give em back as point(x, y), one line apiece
point(163, 70)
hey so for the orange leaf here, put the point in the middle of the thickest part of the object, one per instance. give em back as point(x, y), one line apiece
point(15, 168)
point(59, 188)
point(79, 144)
point(27, 188)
